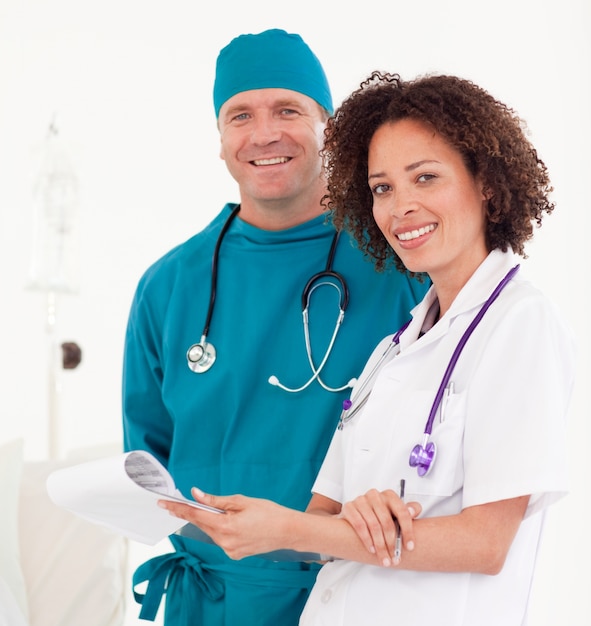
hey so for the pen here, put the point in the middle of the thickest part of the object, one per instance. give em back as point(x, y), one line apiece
point(398, 546)
point(449, 390)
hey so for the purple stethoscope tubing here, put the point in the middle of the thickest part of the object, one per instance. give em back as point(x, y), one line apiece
point(422, 455)
point(456, 355)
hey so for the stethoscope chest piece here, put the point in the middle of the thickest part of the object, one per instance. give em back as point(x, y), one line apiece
point(422, 457)
point(201, 356)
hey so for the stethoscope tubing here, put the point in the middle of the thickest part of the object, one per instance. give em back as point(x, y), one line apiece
point(214, 272)
point(202, 355)
point(425, 452)
point(461, 344)
point(351, 406)
point(314, 283)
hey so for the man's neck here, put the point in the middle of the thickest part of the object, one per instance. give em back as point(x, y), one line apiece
point(280, 214)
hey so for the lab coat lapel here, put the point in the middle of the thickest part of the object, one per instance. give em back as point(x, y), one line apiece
point(472, 296)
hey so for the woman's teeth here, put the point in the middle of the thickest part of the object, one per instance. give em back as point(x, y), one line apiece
point(413, 234)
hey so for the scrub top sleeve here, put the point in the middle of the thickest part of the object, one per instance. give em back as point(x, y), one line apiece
point(146, 422)
point(515, 437)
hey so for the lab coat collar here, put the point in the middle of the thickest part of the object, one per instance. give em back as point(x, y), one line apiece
point(472, 296)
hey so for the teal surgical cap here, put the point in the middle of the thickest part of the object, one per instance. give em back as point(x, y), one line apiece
point(271, 59)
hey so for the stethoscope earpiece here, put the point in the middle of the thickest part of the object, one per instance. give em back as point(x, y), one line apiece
point(201, 356)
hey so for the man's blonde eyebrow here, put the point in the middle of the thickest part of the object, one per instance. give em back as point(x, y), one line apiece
point(284, 102)
point(233, 110)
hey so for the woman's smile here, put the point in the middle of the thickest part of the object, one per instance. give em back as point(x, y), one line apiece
point(429, 206)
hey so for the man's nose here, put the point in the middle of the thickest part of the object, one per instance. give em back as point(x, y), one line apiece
point(265, 130)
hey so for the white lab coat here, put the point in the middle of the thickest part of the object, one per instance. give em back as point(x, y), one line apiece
point(502, 435)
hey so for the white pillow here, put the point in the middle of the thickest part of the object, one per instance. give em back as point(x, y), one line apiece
point(10, 612)
point(76, 572)
point(11, 574)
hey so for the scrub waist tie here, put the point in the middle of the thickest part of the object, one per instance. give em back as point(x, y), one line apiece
point(191, 577)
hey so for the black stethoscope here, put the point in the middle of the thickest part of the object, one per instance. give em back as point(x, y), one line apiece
point(201, 356)
point(422, 456)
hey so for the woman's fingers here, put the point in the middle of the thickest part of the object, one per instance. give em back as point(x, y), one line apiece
point(406, 526)
point(372, 520)
point(356, 513)
point(383, 522)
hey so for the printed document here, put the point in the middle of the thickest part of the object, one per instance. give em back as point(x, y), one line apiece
point(121, 493)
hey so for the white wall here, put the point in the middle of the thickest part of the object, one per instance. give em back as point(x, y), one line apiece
point(130, 84)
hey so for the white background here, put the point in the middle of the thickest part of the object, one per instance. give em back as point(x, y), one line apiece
point(129, 84)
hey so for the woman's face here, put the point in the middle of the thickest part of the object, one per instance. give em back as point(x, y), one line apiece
point(430, 208)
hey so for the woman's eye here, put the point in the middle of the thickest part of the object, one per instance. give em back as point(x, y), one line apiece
point(424, 178)
point(380, 189)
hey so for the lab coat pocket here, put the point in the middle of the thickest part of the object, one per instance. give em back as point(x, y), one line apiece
point(445, 475)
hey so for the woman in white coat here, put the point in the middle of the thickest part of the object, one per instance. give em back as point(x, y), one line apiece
point(432, 496)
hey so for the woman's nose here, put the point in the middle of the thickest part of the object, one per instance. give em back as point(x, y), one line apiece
point(402, 204)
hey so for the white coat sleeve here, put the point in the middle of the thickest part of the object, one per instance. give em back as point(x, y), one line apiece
point(515, 439)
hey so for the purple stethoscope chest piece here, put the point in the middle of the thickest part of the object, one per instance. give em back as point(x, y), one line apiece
point(422, 456)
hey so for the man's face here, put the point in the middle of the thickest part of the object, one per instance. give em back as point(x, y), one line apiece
point(270, 141)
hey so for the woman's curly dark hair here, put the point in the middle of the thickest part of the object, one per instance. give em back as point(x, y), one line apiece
point(488, 134)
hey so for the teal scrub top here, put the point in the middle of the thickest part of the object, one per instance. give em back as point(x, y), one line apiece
point(228, 430)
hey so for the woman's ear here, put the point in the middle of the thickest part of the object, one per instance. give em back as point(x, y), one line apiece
point(487, 193)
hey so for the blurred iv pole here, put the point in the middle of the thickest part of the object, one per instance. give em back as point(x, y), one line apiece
point(54, 264)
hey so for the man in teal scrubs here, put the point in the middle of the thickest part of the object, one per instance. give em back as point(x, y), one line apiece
point(226, 428)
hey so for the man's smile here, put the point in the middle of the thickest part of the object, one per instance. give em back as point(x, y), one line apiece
point(273, 161)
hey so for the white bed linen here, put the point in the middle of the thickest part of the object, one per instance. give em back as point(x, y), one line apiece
point(75, 571)
point(13, 596)
point(10, 612)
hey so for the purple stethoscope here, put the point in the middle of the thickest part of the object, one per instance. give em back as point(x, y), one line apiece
point(422, 456)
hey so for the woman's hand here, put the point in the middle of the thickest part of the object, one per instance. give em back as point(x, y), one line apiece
point(363, 530)
point(249, 525)
point(379, 518)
